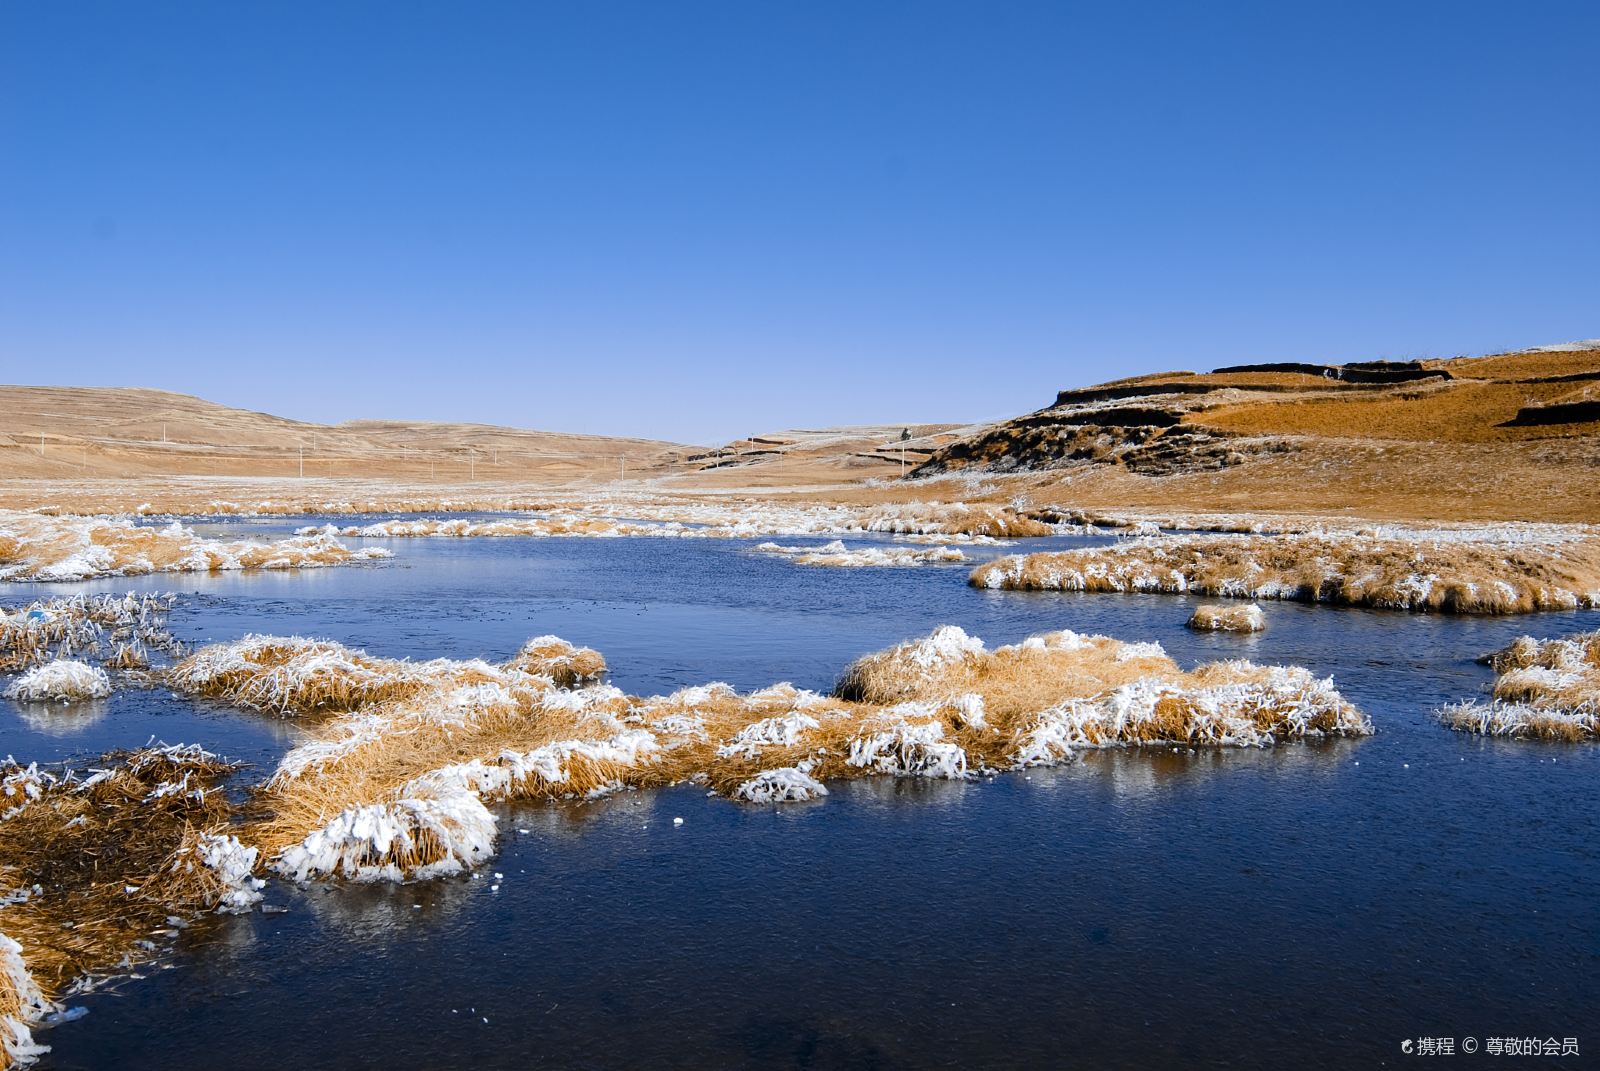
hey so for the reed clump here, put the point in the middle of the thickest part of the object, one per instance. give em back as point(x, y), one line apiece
point(957, 518)
point(60, 681)
point(1544, 689)
point(1249, 618)
point(1493, 572)
point(553, 524)
point(568, 666)
point(34, 546)
point(296, 677)
point(293, 676)
point(398, 785)
point(837, 555)
point(95, 864)
point(80, 625)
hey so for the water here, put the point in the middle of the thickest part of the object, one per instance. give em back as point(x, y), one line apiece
point(1310, 904)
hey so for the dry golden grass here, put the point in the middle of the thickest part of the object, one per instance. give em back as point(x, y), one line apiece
point(1484, 573)
point(1228, 619)
point(644, 516)
point(66, 631)
point(837, 555)
point(567, 665)
point(554, 523)
point(38, 547)
point(125, 433)
point(1546, 689)
point(128, 656)
point(958, 518)
point(295, 677)
point(61, 681)
point(398, 786)
point(95, 863)
point(292, 675)
point(1442, 413)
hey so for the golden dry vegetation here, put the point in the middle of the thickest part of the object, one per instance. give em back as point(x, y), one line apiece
point(398, 783)
point(1512, 571)
point(1545, 689)
point(102, 867)
point(1259, 440)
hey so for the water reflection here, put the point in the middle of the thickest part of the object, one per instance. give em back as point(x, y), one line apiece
point(61, 719)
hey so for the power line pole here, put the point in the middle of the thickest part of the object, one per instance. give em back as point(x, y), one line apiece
point(302, 461)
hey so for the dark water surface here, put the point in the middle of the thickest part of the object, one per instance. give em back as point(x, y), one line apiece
point(1308, 905)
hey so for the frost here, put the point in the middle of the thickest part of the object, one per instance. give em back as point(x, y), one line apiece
point(429, 835)
point(786, 785)
point(24, 1003)
point(64, 680)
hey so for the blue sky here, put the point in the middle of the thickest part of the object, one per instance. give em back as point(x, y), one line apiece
point(701, 220)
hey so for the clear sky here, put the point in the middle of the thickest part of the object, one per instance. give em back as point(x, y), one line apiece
point(702, 220)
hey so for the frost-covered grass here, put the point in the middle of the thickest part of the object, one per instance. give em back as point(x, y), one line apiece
point(38, 547)
point(1248, 618)
point(63, 680)
point(838, 555)
point(950, 522)
point(1487, 571)
point(293, 675)
point(296, 676)
point(1548, 689)
point(398, 786)
point(559, 523)
point(21, 1004)
point(95, 863)
point(80, 625)
point(565, 664)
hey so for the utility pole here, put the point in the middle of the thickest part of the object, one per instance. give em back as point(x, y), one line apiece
point(302, 461)
point(471, 458)
point(624, 460)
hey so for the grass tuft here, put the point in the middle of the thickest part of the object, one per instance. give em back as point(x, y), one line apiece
point(396, 786)
point(1492, 572)
point(1228, 619)
point(94, 864)
point(1543, 689)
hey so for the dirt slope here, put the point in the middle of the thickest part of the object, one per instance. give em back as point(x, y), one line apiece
point(87, 432)
point(1509, 436)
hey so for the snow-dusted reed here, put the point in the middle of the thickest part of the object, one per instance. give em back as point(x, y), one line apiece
point(553, 524)
point(94, 865)
point(1483, 571)
point(21, 1003)
point(296, 676)
point(80, 625)
point(1543, 688)
point(63, 681)
point(398, 785)
point(838, 555)
point(1247, 618)
point(565, 664)
point(38, 547)
point(954, 523)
